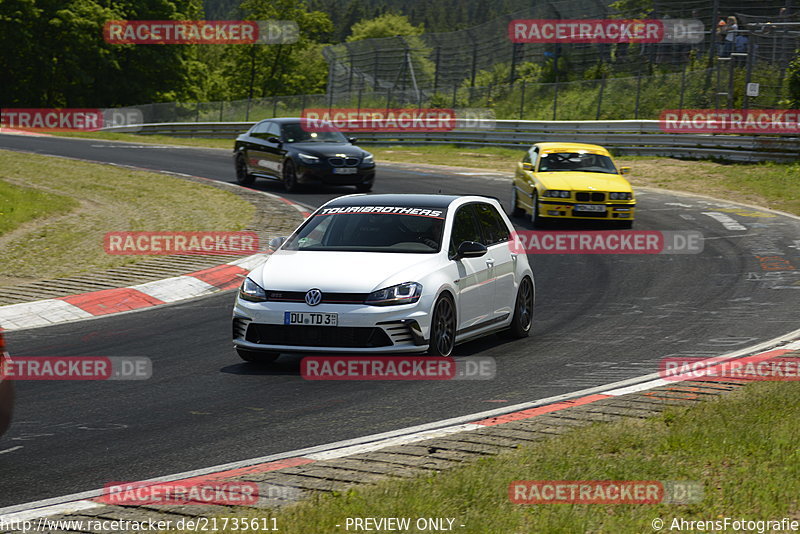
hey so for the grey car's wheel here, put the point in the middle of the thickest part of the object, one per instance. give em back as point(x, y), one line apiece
point(516, 211)
point(443, 327)
point(523, 310)
point(289, 177)
point(257, 356)
point(242, 176)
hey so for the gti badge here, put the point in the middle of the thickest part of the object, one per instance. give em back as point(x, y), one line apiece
point(313, 297)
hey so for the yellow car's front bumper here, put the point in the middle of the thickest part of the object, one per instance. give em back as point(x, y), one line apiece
point(603, 211)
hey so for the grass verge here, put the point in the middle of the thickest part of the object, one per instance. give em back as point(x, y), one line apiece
point(151, 139)
point(742, 447)
point(20, 204)
point(66, 236)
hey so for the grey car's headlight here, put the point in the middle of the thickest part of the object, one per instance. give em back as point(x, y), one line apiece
point(252, 291)
point(369, 158)
point(556, 193)
point(406, 293)
point(307, 158)
point(620, 196)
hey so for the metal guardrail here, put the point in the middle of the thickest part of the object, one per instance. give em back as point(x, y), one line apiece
point(623, 137)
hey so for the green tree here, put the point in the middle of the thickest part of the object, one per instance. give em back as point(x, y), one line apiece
point(388, 25)
point(793, 73)
point(55, 55)
point(278, 69)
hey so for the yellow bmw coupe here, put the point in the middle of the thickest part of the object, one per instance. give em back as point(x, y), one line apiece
point(571, 181)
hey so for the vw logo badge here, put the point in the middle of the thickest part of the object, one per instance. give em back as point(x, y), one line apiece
point(313, 297)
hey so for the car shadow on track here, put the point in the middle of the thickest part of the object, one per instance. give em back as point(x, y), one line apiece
point(289, 364)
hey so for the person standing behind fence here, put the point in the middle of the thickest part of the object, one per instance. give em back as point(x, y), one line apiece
point(730, 35)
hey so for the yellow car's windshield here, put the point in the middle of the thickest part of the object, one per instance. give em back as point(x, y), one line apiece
point(576, 161)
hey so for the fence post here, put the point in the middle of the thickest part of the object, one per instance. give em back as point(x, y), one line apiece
point(522, 101)
point(555, 99)
point(683, 85)
point(638, 92)
point(436, 71)
point(274, 106)
point(455, 94)
point(600, 96)
point(474, 60)
point(221, 105)
point(749, 73)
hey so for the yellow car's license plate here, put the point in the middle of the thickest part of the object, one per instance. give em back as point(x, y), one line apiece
point(589, 207)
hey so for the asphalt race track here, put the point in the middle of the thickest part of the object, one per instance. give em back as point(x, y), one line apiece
point(598, 319)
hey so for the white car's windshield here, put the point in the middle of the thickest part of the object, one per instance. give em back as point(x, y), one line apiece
point(576, 161)
point(372, 229)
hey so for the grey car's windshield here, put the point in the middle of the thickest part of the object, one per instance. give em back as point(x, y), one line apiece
point(576, 161)
point(381, 229)
point(294, 133)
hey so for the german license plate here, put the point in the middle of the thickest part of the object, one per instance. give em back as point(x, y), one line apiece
point(345, 170)
point(311, 318)
point(589, 207)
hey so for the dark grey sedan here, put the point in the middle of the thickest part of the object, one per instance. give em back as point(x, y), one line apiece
point(285, 150)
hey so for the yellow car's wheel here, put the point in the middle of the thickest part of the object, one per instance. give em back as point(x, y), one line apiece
point(516, 211)
point(537, 221)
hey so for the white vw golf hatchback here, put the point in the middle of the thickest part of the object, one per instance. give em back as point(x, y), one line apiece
point(386, 274)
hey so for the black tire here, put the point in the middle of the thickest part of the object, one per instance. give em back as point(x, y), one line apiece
point(523, 310)
point(257, 356)
point(364, 188)
point(443, 327)
point(289, 177)
point(536, 220)
point(516, 211)
point(242, 176)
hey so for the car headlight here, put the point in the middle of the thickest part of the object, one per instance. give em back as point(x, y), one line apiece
point(307, 158)
point(252, 291)
point(620, 196)
point(406, 293)
point(557, 193)
point(369, 158)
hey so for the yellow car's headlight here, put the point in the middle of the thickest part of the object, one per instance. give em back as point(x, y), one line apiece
point(557, 193)
point(620, 196)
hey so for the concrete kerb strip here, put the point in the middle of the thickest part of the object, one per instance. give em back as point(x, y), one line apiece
point(422, 449)
point(92, 304)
